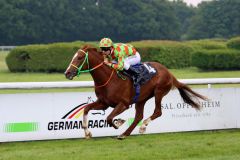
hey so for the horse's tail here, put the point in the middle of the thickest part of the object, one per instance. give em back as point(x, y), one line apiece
point(188, 95)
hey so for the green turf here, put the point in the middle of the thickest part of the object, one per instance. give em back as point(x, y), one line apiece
point(39, 77)
point(205, 145)
point(194, 72)
point(6, 76)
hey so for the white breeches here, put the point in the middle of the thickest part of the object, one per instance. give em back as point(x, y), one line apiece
point(131, 60)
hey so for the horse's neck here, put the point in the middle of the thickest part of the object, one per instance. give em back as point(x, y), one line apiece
point(102, 73)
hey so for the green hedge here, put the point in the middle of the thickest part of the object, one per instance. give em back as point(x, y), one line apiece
point(208, 44)
point(227, 59)
point(42, 58)
point(169, 53)
point(56, 57)
point(234, 43)
point(205, 54)
point(171, 57)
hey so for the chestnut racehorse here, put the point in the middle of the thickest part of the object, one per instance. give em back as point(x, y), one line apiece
point(112, 91)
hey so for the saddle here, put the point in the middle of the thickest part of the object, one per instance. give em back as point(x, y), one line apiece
point(145, 71)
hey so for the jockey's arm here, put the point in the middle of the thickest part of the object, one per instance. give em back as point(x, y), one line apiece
point(117, 66)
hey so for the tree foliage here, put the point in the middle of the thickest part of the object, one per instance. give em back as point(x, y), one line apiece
point(216, 19)
point(41, 21)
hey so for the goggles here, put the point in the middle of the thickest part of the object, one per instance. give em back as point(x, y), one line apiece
point(105, 48)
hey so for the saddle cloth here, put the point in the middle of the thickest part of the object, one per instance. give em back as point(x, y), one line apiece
point(146, 72)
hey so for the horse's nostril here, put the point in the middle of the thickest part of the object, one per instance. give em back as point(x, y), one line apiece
point(66, 74)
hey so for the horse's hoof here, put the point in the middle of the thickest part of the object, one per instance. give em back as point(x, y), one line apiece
point(114, 126)
point(88, 135)
point(142, 130)
point(121, 137)
point(119, 123)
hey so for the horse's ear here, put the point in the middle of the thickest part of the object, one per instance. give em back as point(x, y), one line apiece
point(86, 47)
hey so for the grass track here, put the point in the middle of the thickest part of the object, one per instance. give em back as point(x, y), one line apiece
point(204, 145)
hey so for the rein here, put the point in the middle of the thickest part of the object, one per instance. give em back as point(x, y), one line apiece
point(106, 81)
point(79, 69)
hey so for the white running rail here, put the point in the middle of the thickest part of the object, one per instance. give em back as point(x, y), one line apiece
point(6, 48)
point(90, 84)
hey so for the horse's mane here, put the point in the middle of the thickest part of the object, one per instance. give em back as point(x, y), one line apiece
point(89, 47)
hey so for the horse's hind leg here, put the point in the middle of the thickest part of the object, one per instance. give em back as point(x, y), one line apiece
point(138, 117)
point(157, 111)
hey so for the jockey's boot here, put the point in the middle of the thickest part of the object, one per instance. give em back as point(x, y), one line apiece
point(136, 75)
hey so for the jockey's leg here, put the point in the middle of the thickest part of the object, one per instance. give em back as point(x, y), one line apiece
point(136, 75)
point(116, 111)
point(128, 62)
point(92, 106)
point(132, 60)
point(138, 117)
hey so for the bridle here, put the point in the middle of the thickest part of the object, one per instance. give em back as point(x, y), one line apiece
point(79, 69)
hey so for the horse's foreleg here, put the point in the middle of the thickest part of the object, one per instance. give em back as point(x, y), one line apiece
point(138, 117)
point(116, 111)
point(92, 106)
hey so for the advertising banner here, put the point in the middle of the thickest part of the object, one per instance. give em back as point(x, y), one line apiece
point(41, 116)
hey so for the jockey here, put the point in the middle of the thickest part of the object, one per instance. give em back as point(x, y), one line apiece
point(121, 56)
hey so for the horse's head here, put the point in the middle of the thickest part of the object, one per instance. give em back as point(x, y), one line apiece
point(80, 61)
